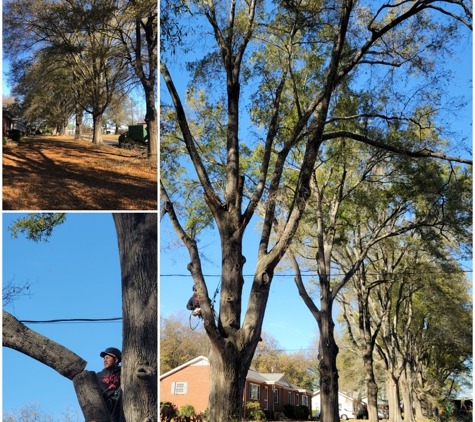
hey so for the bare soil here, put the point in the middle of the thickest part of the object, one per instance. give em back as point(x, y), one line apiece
point(60, 173)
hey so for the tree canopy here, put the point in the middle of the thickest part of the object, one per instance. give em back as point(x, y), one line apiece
point(260, 97)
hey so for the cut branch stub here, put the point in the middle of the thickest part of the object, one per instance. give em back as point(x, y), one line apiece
point(90, 397)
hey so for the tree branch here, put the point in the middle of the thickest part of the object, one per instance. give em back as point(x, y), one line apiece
point(424, 153)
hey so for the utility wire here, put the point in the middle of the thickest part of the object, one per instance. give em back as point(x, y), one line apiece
point(316, 274)
point(53, 321)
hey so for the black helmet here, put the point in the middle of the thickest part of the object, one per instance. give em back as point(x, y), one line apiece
point(112, 351)
point(194, 287)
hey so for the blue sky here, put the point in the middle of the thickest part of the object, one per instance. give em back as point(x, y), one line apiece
point(76, 275)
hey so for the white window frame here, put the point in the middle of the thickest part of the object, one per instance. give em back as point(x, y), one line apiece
point(289, 397)
point(180, 387)
point(276, 396)
point(266, 398)
point(253, 388)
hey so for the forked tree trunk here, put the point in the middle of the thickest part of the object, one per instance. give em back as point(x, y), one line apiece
point(392, 388)
point(137, 236)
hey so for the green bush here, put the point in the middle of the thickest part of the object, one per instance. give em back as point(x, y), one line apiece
point(168, 411)
point(187, 410)
point(16, 135)
point(296, 412)
point(254, 412)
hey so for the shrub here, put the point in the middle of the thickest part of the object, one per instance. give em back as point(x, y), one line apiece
point(254, 412)
point(16, 135)
point(296, 412)
point(289, 411)
point(168, 411)
point(187, 410)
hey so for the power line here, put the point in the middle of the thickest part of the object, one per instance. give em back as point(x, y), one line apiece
point(71, 320)
point(310, 274)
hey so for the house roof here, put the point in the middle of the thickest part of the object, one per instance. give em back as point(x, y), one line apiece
point(200, 360)
point(272, 378)
point(346, 396)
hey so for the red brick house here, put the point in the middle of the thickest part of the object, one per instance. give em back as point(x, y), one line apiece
point(189, 384)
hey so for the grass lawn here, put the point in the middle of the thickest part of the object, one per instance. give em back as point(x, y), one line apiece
point(59, 173)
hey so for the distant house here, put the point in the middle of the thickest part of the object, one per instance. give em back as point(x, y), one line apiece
point(7, 121)
point(347, 406)
point(189, 384)
point(10, 122)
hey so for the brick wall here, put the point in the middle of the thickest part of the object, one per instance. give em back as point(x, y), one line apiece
point(197, 395)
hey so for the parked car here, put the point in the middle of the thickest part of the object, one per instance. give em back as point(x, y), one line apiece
point(346, 414)
point(316, 417)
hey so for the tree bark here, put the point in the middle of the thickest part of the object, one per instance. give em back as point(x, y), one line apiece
point(90, 397)
point(77, 133)
point(406, 385)
point(152, 122)
point(327, 364)
point(97, 130)
point(392, 388)
point(371, 386)
point(19, 337)
point(228, 379)
point(137, 238)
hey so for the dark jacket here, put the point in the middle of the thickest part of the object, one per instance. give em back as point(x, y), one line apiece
point(110, 385)
point(193, 303)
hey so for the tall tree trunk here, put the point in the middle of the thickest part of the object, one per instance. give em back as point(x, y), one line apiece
point(406, 387)
point(137, 237)
point(418, 408)
point(77, 132)
point(327, 362)
point(152, 121)
point(392, 387)
point(97, 129)
point(371, 386)
point(228, 379)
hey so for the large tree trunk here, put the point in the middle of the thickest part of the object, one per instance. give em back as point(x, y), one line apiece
point(77, 133)
point(228, 364)
point(227, 382)
point(327, 362)
point(19, 337)
point(392, 388)
point(371, 386)
point(137, 237)
point(406, 385)
point(97, 129)
point(152, 121)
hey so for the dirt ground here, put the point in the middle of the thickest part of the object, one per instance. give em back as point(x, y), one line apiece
point(60, 173)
